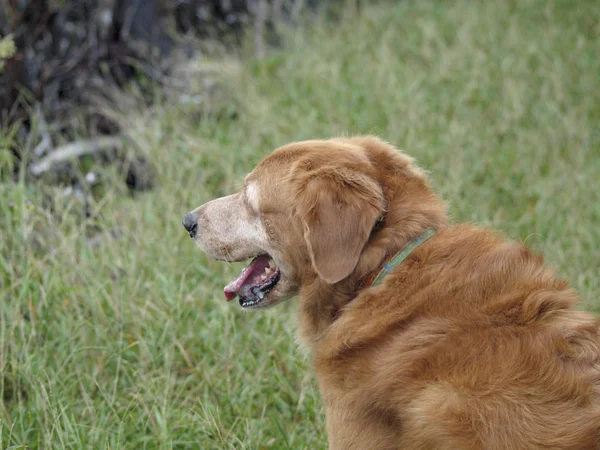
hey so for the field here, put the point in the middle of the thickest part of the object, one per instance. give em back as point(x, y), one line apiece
point(124, 340)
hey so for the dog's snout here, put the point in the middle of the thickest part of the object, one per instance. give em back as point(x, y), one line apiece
point(190, 224)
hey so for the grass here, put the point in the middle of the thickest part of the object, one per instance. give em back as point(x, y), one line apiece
point(129, 343)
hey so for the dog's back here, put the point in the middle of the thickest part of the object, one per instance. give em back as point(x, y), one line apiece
point(470, 343)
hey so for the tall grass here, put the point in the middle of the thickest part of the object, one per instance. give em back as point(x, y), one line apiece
point(126, 341)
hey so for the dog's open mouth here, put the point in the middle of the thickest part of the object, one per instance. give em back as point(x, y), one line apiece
point(254, 282)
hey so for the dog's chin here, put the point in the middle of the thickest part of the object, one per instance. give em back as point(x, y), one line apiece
point(270, 299)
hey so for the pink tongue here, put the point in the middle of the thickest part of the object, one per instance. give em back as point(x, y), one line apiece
point(257, 266)
point(234, 286)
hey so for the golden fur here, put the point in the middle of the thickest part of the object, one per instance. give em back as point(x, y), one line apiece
point(470, 343)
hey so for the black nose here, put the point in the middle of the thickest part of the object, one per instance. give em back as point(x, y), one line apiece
point(190, 224)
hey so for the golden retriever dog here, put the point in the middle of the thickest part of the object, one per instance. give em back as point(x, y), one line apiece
point(423, 334)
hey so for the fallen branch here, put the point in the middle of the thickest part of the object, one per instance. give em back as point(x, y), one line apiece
point(74, 150)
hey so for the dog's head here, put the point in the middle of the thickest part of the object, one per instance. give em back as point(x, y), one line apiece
point(307, 210)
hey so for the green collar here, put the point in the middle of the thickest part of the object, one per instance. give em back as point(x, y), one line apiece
point(401, 256)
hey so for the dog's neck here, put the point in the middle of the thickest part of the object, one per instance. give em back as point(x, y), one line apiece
point(376, 277)
point(321, 304)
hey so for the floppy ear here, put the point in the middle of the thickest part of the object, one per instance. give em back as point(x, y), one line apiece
point(338, 209)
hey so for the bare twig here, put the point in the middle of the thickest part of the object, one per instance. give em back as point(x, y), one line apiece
point(128, 20)
point(46, 142)
point(74, 150)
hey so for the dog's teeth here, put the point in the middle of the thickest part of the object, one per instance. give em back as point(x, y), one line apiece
point(271, 263)
point(267, 269)
point(263, 277)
